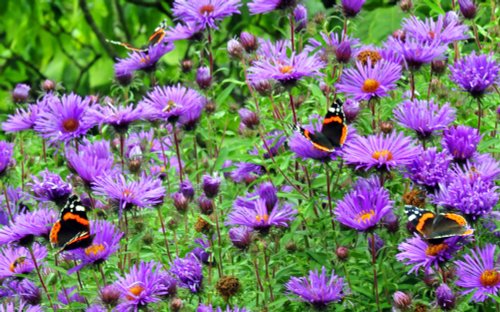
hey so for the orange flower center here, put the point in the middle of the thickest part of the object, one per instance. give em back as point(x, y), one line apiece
point(490, 278)
point(286, 69)
point(135, 291)
point(260, 218)
point(384, 154)
point(433, 250)
point(370, 85)
point(16, 263)
point(127, 192)
point(70, 125)
point(206, 9)
point(145, 59)
point(94, 249)
point(432, 34)
point(365, 216)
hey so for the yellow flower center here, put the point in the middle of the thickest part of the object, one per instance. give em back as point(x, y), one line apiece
point(384, 154)
point(135, 291)
point(260, 218)
point(433, 250)
point(374, 57)
point(286, 69)
point(94, 249)
point(370, 85)
point(70, 125)
point(365, 216)
point(490, 278)
point(206, 9)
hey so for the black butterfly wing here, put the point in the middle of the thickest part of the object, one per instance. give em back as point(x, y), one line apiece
point(334, 127)
point(423, 220)
point(159, 33)
point(318, 140)
point(448, 225)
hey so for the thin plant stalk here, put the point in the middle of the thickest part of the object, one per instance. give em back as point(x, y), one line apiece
point(178, 152)
point(7, 202)
point(371, 104)
point(479, 114)
point(219, 239)
point(292, 104)
point(37, 268)
point(292, 31)
point(164, 233)
point(412, 84)
point(122, 148)
point(268, 276)
point(329, 195)
point(23, 157)
point(374, 264)
point(210, 54)
point(429, 87)
point(476, 36)
point(257, 274)
point(102, 273)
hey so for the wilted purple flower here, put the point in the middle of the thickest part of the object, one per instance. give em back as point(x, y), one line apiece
point(421, 254)
point(203, 77)
point(6, 151)
point(141, 286)
point(235, 49)
point(265, 6)
point(64, 119)
point(145, 192)
point(181, 31)
point(27, 225)
point(17, 260)
point(472, 196)
point(475, 73)
point(50, 187)
point(461, 141)
point(170, 103)
point(117, 116)
point(445, 298)
point(300, 16)
point(351, 8)
point(143, 60)
point(429, 167)
point(105, 243)
point(26, 290)
point(424, 117)
point(205, 12)
point(188, 271)
point(249, 118)
point(21, 93)
point(211, 185)
point(241, 237)
point(93, 159)
point(401, 300)
point(318, 289)
point(364, 206)
point(181, 203)
point(416, 53)
point(246, 172)
point(479, 273)
point(429, 30)
point(379, 243)
point(186, 188)
point(367, 82)
point(69, 295)
point(467, 8)
point(383, 152)
point(24, 118)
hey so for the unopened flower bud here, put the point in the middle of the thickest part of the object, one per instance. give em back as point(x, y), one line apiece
point(176, 304)
point(300, 15)
point(206, 205)
point(343, 52)
point(248, 41)
point(264, 87)
point(109, 295)
point(438, 66)
point(203, 77)
point(467, 8)
point(211, 186)
point(21, 93)
point(235, 49)
point(48, 85)
point(386, 126)
point(406, 5)
point(351, 110)
point(181, 203)
point(249, 118)
point(342, 253)
point(186, 65)
point(401, 300)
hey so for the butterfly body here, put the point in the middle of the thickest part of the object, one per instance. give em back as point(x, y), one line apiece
point(333, 132)
point(434, 227)
point(153, 40)
point(72, 230)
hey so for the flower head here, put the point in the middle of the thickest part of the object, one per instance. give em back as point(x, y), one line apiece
point(367, 82)
point(429, 30)
point(300, 16)
point(211, 185)
point(181, 31)
point(351, 8)
point(246, 172)
point(146, 61)
point(318, 289)
point(416, 53)
point(69, 295)
point(467, 8)
point(445, 298)
point(188, 272)
point(27, 291)
point(6, 151)
point(25, 226)
point(21, 93)
point(265, 6)
point(429, 167)
point(17, 260)
point(51, 187)
point(117, 116)
point(461, 141)
point(23, 119)
point(205, 13)
point(241, 237)
point(475, 73)
point(479, 274)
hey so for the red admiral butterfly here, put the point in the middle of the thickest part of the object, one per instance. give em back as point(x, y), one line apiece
point(434, 227)
point(333, 133)
point(72, 230)
point(154, 39)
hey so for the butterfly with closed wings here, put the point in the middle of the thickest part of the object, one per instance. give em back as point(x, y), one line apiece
point(333, 132)
point(72, 230)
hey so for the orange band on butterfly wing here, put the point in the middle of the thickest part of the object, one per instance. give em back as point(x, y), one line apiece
point(333, 119)
point(77, 218)
point(421, 221)
point(457, 218)
point(343, 137)
point(54, 232)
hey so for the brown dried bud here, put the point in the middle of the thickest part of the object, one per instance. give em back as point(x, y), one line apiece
point(414, 197)
point(342, 253)
point(228, 286)
point(386, 126)
point(186, 65)
point(202, 226)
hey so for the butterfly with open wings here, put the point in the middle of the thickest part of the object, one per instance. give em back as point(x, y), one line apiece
point(153, 40)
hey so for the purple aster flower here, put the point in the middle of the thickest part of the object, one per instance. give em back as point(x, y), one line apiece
point(145, 192)
point(351, 110)
point(367, 82)
point(21, 93)
point(249, 118)
point(424, 117)
point(143, 60)
point(286, 70)
point(317, 289)
point(93, 159)
point(117, 116)
point(209, 308)
point(17, 260)
point(23, 119)
point(445, 298)
point(22, 306)
point(68, 295)
point(421, 254)
point(211, 185)
point(429, 30)
point(268, 50)
point(27, 225)
point(467, 8)
point(461, 141)
point(241, 237)
point(300, 16)
point(479, 273)
point(6, 151)
point(274, 141)
point(246, 172)
point(475, 73)
point(429, 168)
point(383, 152)
point(483, 165)
point(472, 196)
point(26, 290)
point(141, 286)
point(170, 103)
point(50, 188)
point(64, 119)
point(186, 188)
point(259, 217)
point(182, 31)
point(416, 53)
point(200, 251)
point(188, 272)
point(105, 243)
point(205, 12)
point(265, 6)
point(203, 77)
point(15, 199)
point(364, 206)
point(351, 8)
